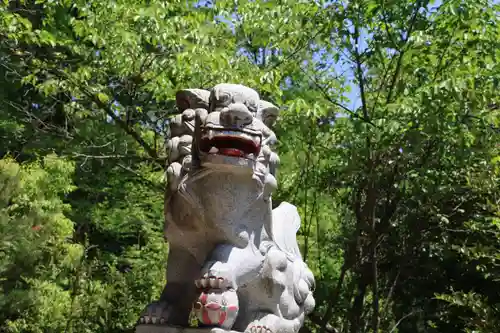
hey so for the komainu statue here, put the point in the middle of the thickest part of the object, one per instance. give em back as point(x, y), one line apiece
point(233, 260)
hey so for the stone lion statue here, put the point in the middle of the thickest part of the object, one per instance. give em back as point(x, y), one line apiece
point(233, 260)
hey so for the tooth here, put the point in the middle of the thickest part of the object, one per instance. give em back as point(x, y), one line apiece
point(250, 156)
point(246, 136)
point(213, 150)
point(211, 134)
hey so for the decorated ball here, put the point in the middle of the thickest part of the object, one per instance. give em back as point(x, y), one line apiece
point(217, 308)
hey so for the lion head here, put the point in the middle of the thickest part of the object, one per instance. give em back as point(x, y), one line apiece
point(224, 129)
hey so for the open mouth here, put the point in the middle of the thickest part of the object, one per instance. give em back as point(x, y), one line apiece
point(230, 143)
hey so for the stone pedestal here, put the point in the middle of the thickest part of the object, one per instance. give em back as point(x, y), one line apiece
point(173, 329)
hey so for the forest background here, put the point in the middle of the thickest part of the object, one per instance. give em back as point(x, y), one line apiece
point(398, 190)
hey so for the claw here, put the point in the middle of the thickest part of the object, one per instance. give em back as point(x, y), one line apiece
point(156, 313)
point(212, 282)
point(258, 329)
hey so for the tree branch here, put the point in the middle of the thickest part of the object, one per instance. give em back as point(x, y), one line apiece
point(117, 156)
point(316, 320)
point(401, 319)
point(122, 124)
point(402, 52)
point(302, 44)
point(151, 152)
point(147, 181)
point(331, 100)
point(359, 73)
point(349, 260)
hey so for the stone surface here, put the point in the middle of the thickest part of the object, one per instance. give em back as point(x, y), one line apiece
point(173, 329)
point(231, 255)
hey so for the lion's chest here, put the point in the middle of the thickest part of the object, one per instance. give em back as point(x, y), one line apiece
point(227, 204)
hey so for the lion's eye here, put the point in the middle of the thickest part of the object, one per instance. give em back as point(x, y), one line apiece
point(252, 107)
point(224, 98)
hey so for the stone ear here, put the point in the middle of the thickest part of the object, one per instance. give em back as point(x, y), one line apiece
point(267, 112)
point(192, 99)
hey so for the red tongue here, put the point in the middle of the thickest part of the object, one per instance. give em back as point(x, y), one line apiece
point(231, 152)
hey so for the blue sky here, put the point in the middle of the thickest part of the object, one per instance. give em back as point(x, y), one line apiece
point(353, 94)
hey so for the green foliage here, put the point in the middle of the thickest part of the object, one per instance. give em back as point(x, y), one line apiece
point(38, 256)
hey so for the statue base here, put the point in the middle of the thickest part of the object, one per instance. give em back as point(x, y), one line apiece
point(174, 329)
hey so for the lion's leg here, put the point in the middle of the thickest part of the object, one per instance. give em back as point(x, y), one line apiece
point(228, 269)
point(273, 306)
point(179, 293)
point(265, 322)
point(236, 266)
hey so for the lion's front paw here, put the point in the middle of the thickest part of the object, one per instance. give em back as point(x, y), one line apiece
point(267, 323)
point(156, 313)
point(258, 329)
point(216, 275)
point(260, 326)
point(213, 282)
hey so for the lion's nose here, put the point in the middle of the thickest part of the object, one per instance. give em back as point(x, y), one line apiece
point(236, 115)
